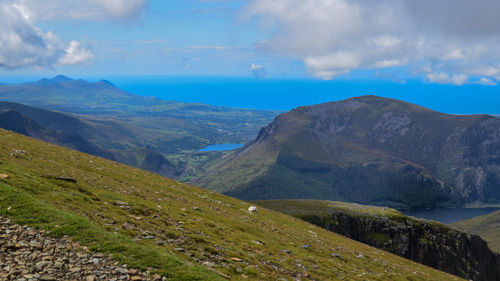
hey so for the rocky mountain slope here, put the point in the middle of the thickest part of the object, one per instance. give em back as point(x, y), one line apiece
point(423, 241)
point(29, 254)
point(486, 226)
point(178, 231)
point(369, 150)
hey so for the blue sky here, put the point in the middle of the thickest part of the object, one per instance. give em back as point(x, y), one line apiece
point(453, 42)
point(175, 37)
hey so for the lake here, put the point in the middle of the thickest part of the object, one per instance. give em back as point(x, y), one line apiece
point(222, 147)
point(451, 215)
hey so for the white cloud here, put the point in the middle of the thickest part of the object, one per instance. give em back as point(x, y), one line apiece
point(487, 82)
point(210, 47)
point(445, 78)
point(76, 54)
point(120, 10)
point(258, 71)
point(23, 44)
point(336, 36)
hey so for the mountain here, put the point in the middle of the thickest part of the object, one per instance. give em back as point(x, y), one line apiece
point(165, 126)
point(16, 122)
point(86, 136)
point(486, 226)
point(367, 150)
point(179, 231)
point(426, 242)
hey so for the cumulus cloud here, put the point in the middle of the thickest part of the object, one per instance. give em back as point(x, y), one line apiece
point(445, 78)
point(23, 44)
point(258, 71)
point(487, 82)
point(118, 10)
point(336, 36)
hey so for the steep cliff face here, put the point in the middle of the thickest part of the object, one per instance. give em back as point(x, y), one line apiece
point(426, 242)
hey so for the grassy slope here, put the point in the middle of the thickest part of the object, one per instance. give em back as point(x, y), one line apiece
point(299, 208)
point(219, 230)
point(487, 226)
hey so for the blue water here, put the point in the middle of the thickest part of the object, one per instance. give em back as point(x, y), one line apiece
point(285, 94)
point(451, 215)
point(222, 147)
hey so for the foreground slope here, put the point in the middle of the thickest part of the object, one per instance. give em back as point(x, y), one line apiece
point(487, 226)
point(427, 242)
point(369, 150)
point(183, 232)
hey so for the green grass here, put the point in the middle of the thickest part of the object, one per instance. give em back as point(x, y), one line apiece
point(218, 229)
point(304, 207)
point(487, 226)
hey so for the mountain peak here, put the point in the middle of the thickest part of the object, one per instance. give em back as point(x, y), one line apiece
point(104, 81)
point(61, 79)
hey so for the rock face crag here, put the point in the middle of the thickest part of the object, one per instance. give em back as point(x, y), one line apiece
point(425, 242)
point(27, 254)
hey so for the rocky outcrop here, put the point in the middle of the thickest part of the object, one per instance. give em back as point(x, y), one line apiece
point(28, 254)
point(426, 242)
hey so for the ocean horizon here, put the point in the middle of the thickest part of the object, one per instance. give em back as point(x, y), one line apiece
point(286, 94)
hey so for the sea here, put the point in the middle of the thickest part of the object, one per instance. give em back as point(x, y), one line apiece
point(286, 94)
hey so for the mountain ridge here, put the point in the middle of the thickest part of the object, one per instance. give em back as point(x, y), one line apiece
point(368, 150)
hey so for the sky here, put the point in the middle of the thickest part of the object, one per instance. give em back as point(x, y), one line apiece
point(451, 42)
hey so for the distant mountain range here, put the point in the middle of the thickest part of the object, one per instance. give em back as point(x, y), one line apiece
point(367, 150)
point(126, 127)
point(166, 126)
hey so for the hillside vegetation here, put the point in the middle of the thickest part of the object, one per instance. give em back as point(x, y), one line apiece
point(486, 226)
point(368, 150)
point(180, 231)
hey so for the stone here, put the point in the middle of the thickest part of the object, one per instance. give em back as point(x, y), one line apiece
point(127, 226)
point(307, 246)
point(258, 242)
point(208, 264)
point(252, 209)
point(132, 271)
